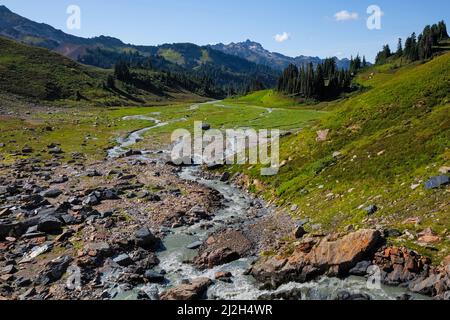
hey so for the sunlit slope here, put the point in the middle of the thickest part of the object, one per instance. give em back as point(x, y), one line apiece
point(381, 144)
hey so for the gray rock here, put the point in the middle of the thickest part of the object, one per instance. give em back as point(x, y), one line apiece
point(225, 177)
point(22, 282)
point(54, 270)
point(372, 209)
point(28, 294)
point(425, 285)
point(110, 194)
point(299, 232)
point(392, 233)
point(149, 292)
point(123, 260)
point(154, 277)
point(145, 239)
point(51, 193)
point(344, 295)
point(437, 182)
point(27, 150)
point(361, 268)
point(194, 245)
point(69, 219)
point(93, 173)
point(49, 224)
point(55, 150)
point(91, 200)
point(101, 249)
point(8, 270)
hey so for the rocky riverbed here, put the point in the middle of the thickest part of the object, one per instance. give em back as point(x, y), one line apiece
point(133, 226)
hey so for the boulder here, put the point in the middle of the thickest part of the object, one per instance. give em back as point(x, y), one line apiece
point(49, 224)
point(299, 232)
point(360, 269)
point(372, 209)
point(437, 182)
point(10, 269)
point(98, 249)
point(110, 194)
point(195, 290)
point(217, 257)
point(428, 236)
point(145, 239)
point(8, 229)
point(328, 256)
point(343, 254)
point(91, 200)
point(225, 177)
point(153, 277)
point(54, 270)
point(426, 285)
point(223, 276)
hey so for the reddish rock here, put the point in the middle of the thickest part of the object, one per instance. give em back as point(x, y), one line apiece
point(188, 292)
point(327, 257)
point(217, 257)
point(222, 275)
point(428, 236)
point(344, 253)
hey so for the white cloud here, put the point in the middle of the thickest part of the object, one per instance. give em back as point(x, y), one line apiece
point(282, 37)
point(344, 15)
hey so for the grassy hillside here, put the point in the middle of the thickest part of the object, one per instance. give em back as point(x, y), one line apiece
point(40, 74)
point(265, 98)
point(382, 145)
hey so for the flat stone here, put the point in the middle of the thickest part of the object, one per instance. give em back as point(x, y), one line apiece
point(37, 251)
point(154, 277)
point(8, 270)
point(437, 182)
point(51, 193)
point(194, 245)
point(123, 260)
point(54, 270)
point(149, 292)
point(98, 249)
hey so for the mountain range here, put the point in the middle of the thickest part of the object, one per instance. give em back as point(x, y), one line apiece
point(255, 52)
point(234, 63)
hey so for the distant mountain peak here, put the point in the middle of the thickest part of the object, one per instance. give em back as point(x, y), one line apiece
point(255, 52)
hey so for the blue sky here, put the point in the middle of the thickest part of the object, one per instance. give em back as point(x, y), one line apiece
point(311, 26)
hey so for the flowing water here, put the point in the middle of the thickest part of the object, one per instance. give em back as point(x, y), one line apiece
point(234, 211)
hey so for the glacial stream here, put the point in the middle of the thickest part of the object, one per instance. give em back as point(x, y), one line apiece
point(234, 211)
